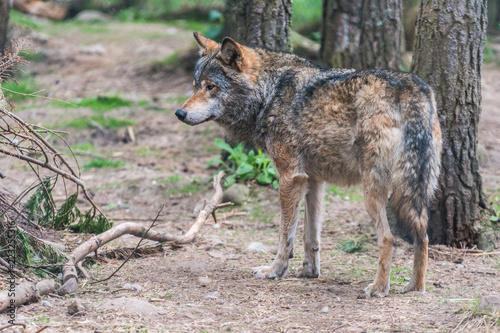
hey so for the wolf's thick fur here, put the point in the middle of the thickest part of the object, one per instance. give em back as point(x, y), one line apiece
point(375, 127)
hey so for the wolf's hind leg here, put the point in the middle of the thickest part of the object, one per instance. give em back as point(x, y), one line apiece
point(375, 201)
point(417, 280)
point(292, 188)
point(312, 231)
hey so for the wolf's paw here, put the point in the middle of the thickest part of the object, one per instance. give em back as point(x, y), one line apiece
point(268, 272)
point(413, 286)
point(306, 271)
point(377, 290)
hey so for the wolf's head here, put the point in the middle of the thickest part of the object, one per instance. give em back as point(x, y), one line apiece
point(224, 78)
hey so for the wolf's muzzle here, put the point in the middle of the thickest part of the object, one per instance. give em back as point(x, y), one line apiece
point(181, 114)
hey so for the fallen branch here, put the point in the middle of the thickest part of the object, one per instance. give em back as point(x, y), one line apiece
point(70, 275)
point(131, 254)
point(27, 292)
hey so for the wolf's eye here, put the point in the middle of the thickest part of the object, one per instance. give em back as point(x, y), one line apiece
point(210, 87)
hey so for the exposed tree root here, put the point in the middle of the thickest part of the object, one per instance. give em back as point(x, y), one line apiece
point(70, 276)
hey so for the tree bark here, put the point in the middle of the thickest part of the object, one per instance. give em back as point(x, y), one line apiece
point(4, 23)
point(341, 33)
point(448, 54)
point(260, 23)
point(382, 38)
point(362, 34)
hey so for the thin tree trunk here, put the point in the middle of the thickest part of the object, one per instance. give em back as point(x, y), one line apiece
point(260, 23)
point(4, 23)
point(341, 33)
point(448, 54)
point(382, 38)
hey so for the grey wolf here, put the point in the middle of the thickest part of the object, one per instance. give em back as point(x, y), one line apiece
point(375, 127)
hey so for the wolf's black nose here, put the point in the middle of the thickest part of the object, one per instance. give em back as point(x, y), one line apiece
point(181, 114)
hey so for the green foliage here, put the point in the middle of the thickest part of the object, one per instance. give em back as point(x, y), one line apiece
point(241, 166)
point(306, 18)
point(13, 90)
point(41, 209)
point(92, 224)
point(101, 163)
point(353, 245)
point(104, 121)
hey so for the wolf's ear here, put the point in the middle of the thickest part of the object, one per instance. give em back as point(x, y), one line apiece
point(232, 54)
point(206, 44)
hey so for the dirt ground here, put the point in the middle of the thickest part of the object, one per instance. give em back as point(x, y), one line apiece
point(208, 286)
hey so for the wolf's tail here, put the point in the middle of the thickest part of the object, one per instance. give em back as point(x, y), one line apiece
point(417, 168)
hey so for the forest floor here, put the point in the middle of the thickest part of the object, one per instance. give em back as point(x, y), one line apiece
point(208, 286)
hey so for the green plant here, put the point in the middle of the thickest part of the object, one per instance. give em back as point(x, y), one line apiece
point(241, 166)
point(496, 208)
point(353, 245)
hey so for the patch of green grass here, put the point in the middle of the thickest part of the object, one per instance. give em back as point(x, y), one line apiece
point(101, 163)
point(172, 60)
point(177, 100)
point(33, 56)
point(85, 146)
point(24, 21)
point(174, 179)
point(346, 194)
point(146, 151)
point(400, 275)
point(107, 122)
point(104, 103)
point(13, 90)
point(353, 245)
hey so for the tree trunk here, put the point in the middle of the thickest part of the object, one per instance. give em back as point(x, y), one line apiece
point(382, 39)
point(362, 34)
point(4, 23)
point(448, 54)
point(341, 33)
point(260, 23)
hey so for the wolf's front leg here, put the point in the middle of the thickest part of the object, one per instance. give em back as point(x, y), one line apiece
point(312, 231)
point(292, 188)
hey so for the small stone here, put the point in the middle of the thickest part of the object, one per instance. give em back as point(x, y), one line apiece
point(204, 281)
point(190, 305)
point(325, 309)
point(256, 247)
point(96, 49)
point(127, 286)
point(489, 302)
point(213, 295)
point(76, 307)
point(92, 16)
point(135, 287)
point(46, 303)
point(236, 194)
point(460, 266)
point(220, 301)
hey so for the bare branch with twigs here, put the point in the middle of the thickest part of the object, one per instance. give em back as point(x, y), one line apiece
point(70, 276)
